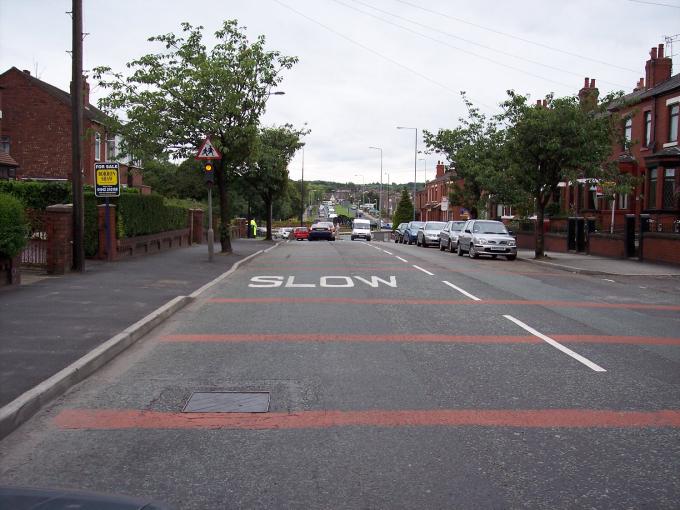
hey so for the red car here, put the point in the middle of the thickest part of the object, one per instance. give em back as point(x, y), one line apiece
point(301, 233)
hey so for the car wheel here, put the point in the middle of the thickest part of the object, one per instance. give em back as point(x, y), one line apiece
point(410, 241)
point(460, 250)
point(441, 246)
point(368, 239)
point(511, 257)
point(451, 248)
point(353, 238)
point(494, 256)
point(472, 252)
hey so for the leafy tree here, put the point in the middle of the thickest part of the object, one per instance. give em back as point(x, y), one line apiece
point(268, 176)
point(174, 98)
point(404, 212)
point(560, 141)
point(476, 150)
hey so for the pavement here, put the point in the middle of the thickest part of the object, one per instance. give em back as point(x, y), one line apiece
point(594, 265)
point(49, 322)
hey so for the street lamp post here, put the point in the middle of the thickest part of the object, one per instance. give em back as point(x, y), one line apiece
point(302, 190)
point(415, 167)
point(380, 192)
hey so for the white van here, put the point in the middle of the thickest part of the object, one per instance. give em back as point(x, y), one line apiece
point(361, 228)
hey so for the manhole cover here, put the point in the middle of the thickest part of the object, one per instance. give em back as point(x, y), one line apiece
point(228, 402)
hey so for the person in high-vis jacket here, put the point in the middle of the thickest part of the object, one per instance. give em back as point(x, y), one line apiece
point(253, 228)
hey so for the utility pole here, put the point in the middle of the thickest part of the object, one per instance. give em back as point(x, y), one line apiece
point(77, 136)
point(302, 189)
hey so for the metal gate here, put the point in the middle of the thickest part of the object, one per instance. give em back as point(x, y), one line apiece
point(34, 253)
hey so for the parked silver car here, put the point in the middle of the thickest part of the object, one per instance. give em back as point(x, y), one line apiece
point(428, 234)
point(448, 237)
point(486, 237)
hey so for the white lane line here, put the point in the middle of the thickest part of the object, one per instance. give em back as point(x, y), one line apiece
point(388, 252)
point(557, 345)
point(403, 260)
point(423, 270)
point(464, 292)
point(608, 280)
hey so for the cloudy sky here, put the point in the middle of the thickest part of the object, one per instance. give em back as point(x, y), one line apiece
point(367, 66)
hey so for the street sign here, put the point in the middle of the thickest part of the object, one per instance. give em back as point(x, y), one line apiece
point(208, 151)
point(106, 179)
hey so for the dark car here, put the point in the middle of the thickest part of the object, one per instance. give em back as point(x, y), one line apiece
point(411, 232)
point(429, 234)
point(399, 232)
point(486, 237)
point(322, 230)
point(448, 237)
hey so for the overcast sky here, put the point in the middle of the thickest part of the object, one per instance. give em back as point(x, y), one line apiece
point(367, 66)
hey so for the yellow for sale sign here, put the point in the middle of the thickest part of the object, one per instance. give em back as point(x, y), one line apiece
point(106, 179)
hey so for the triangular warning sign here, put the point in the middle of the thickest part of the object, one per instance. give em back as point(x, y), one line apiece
point(208, 151)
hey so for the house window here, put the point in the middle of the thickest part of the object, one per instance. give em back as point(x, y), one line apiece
point(651, 195)
point(648, 128)
point(623, 201)
point(97, 147)
point(4, 144)
point(628, 131)
point(111, 149)
point(674, 111)
point(668, 188)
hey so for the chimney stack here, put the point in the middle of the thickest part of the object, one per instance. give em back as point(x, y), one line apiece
point(658, 68)
point(588, 95)
point(440, 169)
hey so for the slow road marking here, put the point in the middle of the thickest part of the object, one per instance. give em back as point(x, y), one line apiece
point(557, 345)
point(103, 419)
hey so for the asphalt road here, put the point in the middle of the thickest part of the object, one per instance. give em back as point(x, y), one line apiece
point(399, 377)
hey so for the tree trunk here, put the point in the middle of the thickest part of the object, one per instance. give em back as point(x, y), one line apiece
point(269, 204)
point(539, 251)
point(225, 221)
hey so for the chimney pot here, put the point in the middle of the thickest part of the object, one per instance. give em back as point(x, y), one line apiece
point(538, 102)
point(653, 53)
point(27, 72)
point(545, 103)
point(660, 52)
point(592, 83)
point(585, 83)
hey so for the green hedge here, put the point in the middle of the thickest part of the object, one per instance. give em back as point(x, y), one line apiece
point(137, 214)
point(12, 226)
point(38, 195)
point(140, 215)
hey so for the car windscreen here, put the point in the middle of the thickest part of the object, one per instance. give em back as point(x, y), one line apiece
point(489, 227)
point(416, 224)
point(435, 225)
point(457, 226)
point(362, 226)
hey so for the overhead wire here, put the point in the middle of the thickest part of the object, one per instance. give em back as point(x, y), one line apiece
point(469, 41)
point(377, 53)
point(496, 62)
point(655, 3)
point(512, 36)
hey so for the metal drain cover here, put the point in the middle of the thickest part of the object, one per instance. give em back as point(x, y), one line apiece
point(228, 402)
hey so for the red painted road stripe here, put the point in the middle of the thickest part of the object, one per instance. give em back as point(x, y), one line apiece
point(83, 419)
point(339, 337)
point(414, 338)
point(386, 301)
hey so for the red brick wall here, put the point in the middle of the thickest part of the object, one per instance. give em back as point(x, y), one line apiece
point(606, 245)
point(661, 248)
point(555, 242)
point(39, 127)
